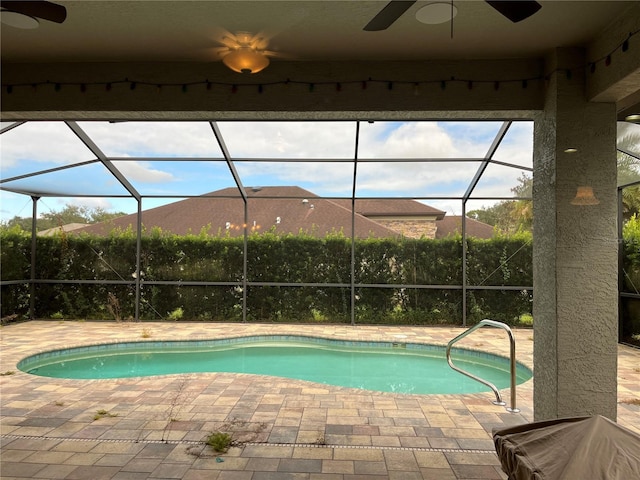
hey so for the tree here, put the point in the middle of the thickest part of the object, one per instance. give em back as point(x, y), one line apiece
point(629, 170)
point(69, 214)
point(510, 216)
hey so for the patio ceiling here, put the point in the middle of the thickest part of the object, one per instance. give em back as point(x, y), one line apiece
point(190, 31)
point(183, 40)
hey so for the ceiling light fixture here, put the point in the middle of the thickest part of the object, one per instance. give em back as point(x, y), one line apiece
point(436, 13)
point(245, 53)
point(633, 118)
point(18, 20)
point(246, 59)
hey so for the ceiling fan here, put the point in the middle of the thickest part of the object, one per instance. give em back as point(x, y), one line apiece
point(26, 14)
point(514, 10)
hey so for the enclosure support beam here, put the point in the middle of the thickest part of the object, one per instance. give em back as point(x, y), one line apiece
point(245, 199)
point(620, 267)
point(504, 128)
point(353, 227)
point(34, 234)
point(464, 263)
point(138, 255)
point(497, 140)
point(81, 134)
point(245, 260)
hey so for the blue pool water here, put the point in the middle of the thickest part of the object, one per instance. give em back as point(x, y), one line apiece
point(378, 366)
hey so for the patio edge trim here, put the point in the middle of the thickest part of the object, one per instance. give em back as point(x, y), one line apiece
point(254, 444)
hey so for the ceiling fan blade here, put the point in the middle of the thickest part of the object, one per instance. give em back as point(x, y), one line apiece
point(272, 54)
point(515, 10)
point(389, 14)
point(38, 9)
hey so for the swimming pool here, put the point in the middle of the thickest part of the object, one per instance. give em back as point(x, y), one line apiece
point(378, 366)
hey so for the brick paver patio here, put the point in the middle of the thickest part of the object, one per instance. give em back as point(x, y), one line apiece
point(284, 429)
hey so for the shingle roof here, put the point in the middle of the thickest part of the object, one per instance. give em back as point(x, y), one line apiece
point(453, 225)
point(392, 207)
point(282, 209)
point(69, 227)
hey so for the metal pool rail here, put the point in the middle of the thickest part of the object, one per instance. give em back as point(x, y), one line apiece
point(512, 359)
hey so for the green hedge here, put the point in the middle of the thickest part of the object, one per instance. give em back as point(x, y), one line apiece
point(630, 307)
point(290, 259)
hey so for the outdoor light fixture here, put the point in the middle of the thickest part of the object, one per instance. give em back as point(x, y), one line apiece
point(584, 196)
point(246, 59)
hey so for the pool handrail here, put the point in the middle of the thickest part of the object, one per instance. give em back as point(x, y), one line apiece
point(512, 361)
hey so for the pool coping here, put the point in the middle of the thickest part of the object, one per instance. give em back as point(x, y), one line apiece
point(38, 360)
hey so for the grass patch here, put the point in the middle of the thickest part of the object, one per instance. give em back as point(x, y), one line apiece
point(176, 314)
point(526, 320)
point(103, 413)
point(219, 441)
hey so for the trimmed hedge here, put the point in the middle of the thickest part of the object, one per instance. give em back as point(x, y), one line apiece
point(630, 307)
point(290, 259)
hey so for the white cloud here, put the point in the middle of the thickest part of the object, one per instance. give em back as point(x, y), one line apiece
point(55, 204)
point(290, 139)
point(142, 172)
point(406, 140)
point(41, 142)
point(154, 139)
point(38, 145)
point(382, 140)
point(103, 203)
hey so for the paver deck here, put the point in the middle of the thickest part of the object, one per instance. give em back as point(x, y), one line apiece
point(284, 429)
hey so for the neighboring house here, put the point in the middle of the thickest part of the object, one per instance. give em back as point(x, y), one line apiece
point(283, 210)
point(408, 218)
point(453, 226)
point(69, 227)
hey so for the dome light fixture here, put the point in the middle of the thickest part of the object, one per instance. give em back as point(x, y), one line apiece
point(246, 59)
point(245, 52)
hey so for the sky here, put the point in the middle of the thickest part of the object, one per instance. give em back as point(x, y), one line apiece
point(136, 147)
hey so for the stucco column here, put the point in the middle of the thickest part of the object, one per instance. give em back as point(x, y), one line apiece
point(575, 249)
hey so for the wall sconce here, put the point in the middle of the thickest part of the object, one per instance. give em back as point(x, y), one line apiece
point(584, 197)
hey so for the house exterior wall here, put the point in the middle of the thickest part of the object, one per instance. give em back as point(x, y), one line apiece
point(411, 228)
